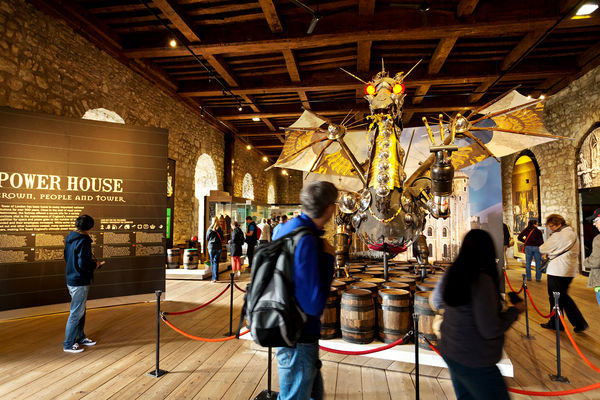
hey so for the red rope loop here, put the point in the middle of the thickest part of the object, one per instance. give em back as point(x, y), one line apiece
point(543, 394)
point(358, 353)
point(510, 286)
point(584, 358)
point(535, 307)
point(199, 307)
point(170, 325)
point(239, 288)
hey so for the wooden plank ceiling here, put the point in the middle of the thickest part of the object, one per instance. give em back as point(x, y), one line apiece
point(258, 54)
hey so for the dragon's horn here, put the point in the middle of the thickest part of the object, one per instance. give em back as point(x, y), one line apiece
point(415, 66)
point(354, 76)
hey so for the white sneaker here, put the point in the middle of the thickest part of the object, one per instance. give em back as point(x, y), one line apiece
point(237, 273)
point(74, 349)
point(87, 342)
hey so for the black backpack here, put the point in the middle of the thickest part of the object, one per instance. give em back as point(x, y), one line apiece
point(272, 313)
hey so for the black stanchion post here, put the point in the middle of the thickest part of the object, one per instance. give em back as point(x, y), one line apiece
point(157, 371)
point(268, 394)
point(557, 377)
point(526, 309)
point(231, 286)
point(416, 336)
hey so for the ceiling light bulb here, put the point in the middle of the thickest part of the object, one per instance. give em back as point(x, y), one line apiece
point(173, 43)
point(265, 159)
point(542, 97)
point(248, 147)
point(255, 119)
point(284, 172)
point(240, 108)
point(529, 96)
point(587, 8)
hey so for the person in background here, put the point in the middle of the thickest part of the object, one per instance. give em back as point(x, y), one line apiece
point(282, 220)
point(562, 248)
point(507, 241)
point(532, 239)
point(80, 273)
point(472, 332)
point(236, 243)
point(299, 367)
point(265, 235)
point(593, 261)
point(251, 239)
point(214, 244)
point(228, 224)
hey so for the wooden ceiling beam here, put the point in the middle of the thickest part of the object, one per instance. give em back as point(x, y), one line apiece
point(481, 89)
point(221, 68)
point(182, 23)
point(271, 16)
point(466, 7)
point(304, 99)
point(589, 55)
point(363, 56)
point(420, 93)
point(366, 8)
point(252, 104)
point(521, 48)
point(291, 64)
point(269, 146)
point(275, 44)
point(441, 53)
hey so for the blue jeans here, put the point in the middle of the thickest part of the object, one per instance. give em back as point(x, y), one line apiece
point(598, 297)
point(533, 252)
point(300, 372)
point(214, 263)
point(74, 331)
point(477, 383)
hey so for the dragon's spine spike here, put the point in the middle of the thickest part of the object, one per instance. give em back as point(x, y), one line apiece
point(441, 118)
point(429, 131)
point(453, 131)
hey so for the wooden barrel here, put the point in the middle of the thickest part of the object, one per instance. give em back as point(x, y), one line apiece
point(190, 259)
point(173, 257)
point(380, 269)
point(416, 277)
point(374, 274)
point(378, 281)
point(330, 320)
point(353, 271)
point(393, 314)
point(355, 266)
point(361, 276)
point(405, 268)
point(357, 316)
point(426, 286)
point(432, 279)
point(347, 281)
point(426, 316)
point(410, 281)
point(396, 285)
point(371, 287)
point(339, 285)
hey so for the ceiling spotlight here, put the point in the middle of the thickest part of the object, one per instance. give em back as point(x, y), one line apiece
point(248, 147)
point(240, 108)
point(587, 8)
point(255, 119)
point(542, 97)
point(173, 43)
point(313, 23)
point(265, 159)
point(529, 96)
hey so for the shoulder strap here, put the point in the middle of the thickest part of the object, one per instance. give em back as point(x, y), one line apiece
point(564, 251)
point(525, 242)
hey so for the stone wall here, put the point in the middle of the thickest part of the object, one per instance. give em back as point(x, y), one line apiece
point(46, 67)
point(572, 112)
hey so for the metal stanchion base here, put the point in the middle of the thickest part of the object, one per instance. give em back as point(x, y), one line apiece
point(530, 337)
point(227, 334)
point(266, 395)
point(157, 373)
point(556, 378)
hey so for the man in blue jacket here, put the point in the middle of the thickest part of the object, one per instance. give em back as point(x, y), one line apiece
point(299, 367)
point(80, 272)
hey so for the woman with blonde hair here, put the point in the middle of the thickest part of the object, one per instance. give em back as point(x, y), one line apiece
point(214, 243)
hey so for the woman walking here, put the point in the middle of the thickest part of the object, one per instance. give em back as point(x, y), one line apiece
point(562, 248)
point(214, 244)
point(236, 243)
point(474, 323)
point(532, 239)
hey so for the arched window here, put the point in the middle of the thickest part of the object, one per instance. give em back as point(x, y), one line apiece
point(429, 231)
point(248, 187)
point(271, 195)
point(445, 251)
point(102, 114)
point(430, 250)
point(525, 191)
point(205, 180)
point(445, 233)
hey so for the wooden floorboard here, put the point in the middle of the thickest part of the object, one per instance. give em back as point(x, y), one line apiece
point(33, 365)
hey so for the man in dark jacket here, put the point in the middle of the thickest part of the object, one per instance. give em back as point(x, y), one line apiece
point(251, 239)
point(299, 367)
point(80, 272)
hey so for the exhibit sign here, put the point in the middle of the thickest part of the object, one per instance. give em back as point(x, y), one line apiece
point(52, 170)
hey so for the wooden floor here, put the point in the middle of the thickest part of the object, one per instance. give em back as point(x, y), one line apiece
point(33, 365)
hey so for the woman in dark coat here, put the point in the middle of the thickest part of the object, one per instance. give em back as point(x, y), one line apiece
point(214, 244)
point(532, 239)
point(236, 243)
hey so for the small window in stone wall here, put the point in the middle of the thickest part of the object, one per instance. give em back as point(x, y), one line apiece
point(102, 114)
point(444, 233)
point(271, 195)
point(248, 187)
point(429, 231)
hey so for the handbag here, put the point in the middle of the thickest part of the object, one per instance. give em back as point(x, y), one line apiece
point(544, 265)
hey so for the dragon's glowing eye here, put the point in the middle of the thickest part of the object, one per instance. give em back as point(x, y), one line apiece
point(370, 89)
point(398, 88)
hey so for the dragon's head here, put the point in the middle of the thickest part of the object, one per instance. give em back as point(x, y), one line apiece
point(384, 94)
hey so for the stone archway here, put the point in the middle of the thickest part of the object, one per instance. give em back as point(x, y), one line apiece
point(102, 114)
point(248, 187)
point(525, 191)
point(205, 180)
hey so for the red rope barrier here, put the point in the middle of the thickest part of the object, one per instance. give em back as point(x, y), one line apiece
point(359, 353)
point(510, 286)
point(199, 307)
point(536, 309)
point(543, 394)
point(584, 358)
point(170, 325)
point(239, 288)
